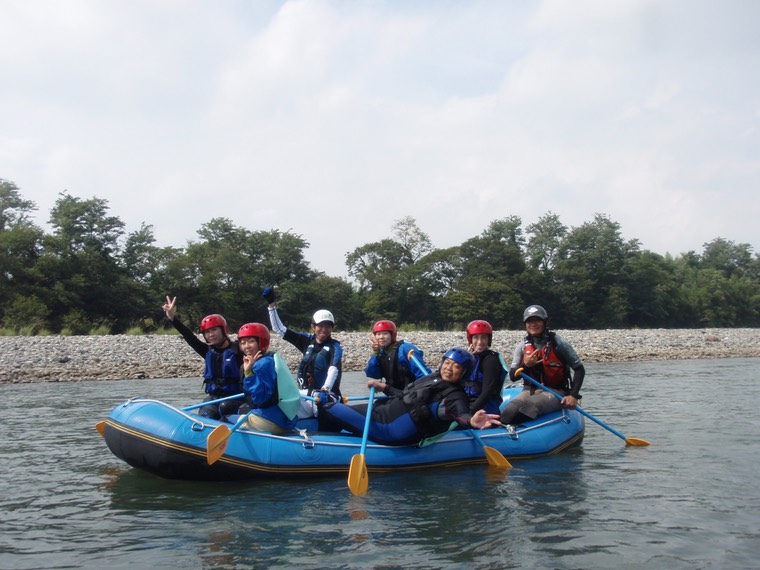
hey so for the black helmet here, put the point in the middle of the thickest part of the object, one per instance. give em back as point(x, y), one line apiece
point(535, 311)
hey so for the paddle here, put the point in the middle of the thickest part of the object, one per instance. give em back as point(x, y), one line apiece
point(211, 402)
point(358, 478)
point(628, 440)
point(216, 442)
point(494, 457)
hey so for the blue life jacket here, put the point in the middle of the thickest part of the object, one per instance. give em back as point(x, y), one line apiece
point(221, 376)
point(312, 372)
point(473, 386)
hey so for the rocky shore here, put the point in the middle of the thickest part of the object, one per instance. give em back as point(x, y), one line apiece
point(118, 357)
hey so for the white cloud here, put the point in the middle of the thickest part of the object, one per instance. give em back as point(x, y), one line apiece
point(334, 119)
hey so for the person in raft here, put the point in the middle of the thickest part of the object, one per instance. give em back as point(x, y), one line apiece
point(426, 407)
point(485, 383)
point(259, 378)
point(321, 367)
point(390, 357)
point(221, 375)
point(548, 358)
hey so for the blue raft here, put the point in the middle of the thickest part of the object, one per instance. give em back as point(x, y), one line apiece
point(162, 439)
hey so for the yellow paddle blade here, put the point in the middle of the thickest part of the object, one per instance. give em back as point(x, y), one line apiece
point(358, 478)
point(496, 459)
point(216, 443)
point(636, 441)
point(101, 427)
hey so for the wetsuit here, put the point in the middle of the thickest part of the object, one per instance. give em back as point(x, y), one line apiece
point(486, 382)
point(424, 408)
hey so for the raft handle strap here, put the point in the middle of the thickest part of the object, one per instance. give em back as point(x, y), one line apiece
point(307, 443)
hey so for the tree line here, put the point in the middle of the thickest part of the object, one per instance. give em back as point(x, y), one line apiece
point(89, 275)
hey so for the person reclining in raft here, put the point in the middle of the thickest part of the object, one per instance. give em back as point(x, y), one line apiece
point(426, 407)
point(390, 357)
point(259, 377)
point(221, 376)
point(548, 358)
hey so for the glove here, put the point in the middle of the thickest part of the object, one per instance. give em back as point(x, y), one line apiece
point(269, 295)
point(325, 397)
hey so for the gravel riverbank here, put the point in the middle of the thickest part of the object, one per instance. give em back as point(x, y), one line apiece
point(117, 357)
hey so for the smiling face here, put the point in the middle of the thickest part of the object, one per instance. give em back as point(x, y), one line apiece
point(322, 331)
point(249, 345)
point(451, 371)
point(479, 343)
point(383, 338)
point(535, 326)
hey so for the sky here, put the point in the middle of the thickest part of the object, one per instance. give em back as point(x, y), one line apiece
point(333, 119)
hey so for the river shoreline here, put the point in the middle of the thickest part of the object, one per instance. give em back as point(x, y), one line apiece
point(123, 357)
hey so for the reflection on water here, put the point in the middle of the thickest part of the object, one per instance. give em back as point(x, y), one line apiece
point(685, 502)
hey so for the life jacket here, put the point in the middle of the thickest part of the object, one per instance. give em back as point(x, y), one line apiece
point(422, 398)
point(312, 372)
point(473, 386)
point(394, 373)
point(552, 370)
point(221, 376)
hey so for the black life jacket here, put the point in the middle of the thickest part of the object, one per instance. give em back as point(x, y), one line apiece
point(396, 375)
point(421, 398)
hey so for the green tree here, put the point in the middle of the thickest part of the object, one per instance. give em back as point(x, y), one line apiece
point(490, 264)
point(545, 237)
point(226, 270)
point(14, 210)
point(88, 285)
point(389, 284)
point(299, 300)
point(20, 248)
point(591, 275)
point(653, 295)
point(728, 257)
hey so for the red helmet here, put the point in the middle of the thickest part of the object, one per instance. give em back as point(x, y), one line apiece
point(215, 320)
point(386, 326)
point(479, 327)
point(256, 330)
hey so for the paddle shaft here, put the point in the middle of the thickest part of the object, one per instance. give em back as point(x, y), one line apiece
point(418, 362)
point(343, 399)
point(367, 419)
point(212, 402)
point(581, 410)
point(358, 477)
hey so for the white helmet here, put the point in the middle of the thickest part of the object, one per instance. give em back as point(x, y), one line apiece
point(321, 316)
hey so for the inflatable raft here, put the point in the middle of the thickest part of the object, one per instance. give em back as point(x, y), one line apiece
point(162, 439)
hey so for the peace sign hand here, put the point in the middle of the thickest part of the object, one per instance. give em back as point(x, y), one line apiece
point(169, 308)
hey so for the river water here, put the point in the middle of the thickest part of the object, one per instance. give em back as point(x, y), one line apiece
point(690, 500)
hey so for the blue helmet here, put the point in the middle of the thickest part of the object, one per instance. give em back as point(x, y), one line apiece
point(463, 357)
